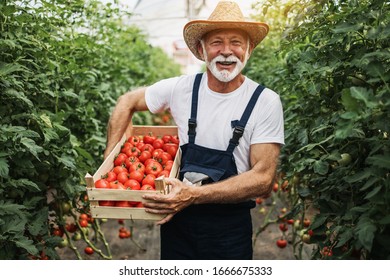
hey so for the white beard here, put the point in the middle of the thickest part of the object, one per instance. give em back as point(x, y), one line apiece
point(224, 75)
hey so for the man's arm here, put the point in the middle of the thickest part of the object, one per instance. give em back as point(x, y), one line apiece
point(121, 116)
point(251, 184)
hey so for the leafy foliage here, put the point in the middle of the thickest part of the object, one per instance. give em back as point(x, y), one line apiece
point(333, 72)
point(62, 66)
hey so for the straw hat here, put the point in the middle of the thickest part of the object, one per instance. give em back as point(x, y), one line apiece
point(227, 14)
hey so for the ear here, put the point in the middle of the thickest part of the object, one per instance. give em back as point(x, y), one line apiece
point(200, 50)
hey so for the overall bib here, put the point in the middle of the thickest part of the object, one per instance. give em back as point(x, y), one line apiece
point(210, 231)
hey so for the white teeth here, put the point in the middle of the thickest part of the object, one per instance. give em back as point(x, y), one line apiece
point(226, 62)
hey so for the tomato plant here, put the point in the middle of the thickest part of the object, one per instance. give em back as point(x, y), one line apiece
point(56, 87)
point(333, 80)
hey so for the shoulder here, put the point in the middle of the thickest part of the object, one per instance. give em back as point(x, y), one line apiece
point(174, 82)
point(267, 95)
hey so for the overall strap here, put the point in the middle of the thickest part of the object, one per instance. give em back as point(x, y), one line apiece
point(194, 109)
point(240, 126)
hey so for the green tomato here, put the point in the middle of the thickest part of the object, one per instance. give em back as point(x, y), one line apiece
point(345, 159)
point(76, 236)
point(64, 243)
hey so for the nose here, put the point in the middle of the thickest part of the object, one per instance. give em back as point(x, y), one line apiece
point(226, 50)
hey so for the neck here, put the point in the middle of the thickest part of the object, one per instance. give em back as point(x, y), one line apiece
point(224, 87)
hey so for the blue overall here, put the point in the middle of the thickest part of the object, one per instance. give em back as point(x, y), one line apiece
point(210, 231)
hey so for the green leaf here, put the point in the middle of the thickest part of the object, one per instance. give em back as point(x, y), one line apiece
point(364, 95)
point(347, 28)
point(4, 167)
point(23, 183)
point(67, 161)
point(349, 102)
point(318, 221)
point(382, 161)
point(46, 120)
point(6, 69)
point(344, 237)
point(373, 192)
point(19, 96)
point(321, 167)
point(31, 146)
point(9, 208)
point(385, 220)
point(27, 244)
point(365, 231)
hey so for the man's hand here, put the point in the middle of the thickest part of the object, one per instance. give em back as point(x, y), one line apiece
point(180, 197)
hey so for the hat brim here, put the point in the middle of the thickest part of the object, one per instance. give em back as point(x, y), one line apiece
point(195, 30)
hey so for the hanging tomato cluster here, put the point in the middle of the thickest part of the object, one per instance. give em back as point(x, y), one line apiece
point(140, 161)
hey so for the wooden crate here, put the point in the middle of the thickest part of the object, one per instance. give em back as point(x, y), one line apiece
point(95, 195)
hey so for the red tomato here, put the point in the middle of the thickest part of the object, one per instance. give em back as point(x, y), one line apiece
point(58, 232)
point(283, 227)
point(137, 166)
point(144, 156)
point(149, 180)
point(106, 203)
point(132, 184)
point(168, 165)
point(147, 187)
point(102, 184)
point(130, 160)
point(175, 139)
point(88, 250)
point(172, 149)
point(164, 158)
point(140, 145)
point(158, 143)
point(157, 153)
point(164, 173)
point(306, 222)
point(116, 185)
point(149, 138)
point(147, 147)
point(120, 159)
point(134, 140)
point(126, 146)
point(123, 177)
point(148, 161)
point(166, 138)
point(83, 223)
point(119, 169)
point(153, 168)
point(136, 175)
point(110, 176)
point(281, 243)
point(71, 227)
point(133, 152)
point(121, 203)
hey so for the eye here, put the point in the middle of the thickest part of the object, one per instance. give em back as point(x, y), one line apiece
point(237, 43)
point(215, 42)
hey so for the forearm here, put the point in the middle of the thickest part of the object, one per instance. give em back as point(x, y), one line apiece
point(121, 116)
point(248, 185)
point(245, 186)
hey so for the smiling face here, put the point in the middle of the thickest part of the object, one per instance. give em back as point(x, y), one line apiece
point(225, 52)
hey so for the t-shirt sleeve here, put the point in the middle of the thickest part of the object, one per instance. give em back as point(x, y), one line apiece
point(270, 129)
point(159, 95)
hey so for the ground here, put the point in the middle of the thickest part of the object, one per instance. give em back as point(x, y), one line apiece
point(145, 244)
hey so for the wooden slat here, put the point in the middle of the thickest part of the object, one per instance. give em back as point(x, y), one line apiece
point(155, 130)
point(118, 195)
point(124, 213)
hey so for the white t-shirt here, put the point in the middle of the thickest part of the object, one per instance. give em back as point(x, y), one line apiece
point(216, 111)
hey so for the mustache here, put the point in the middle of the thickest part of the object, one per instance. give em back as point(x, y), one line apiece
point(230, 58)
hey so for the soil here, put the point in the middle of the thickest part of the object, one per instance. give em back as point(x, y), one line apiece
point(145, 242)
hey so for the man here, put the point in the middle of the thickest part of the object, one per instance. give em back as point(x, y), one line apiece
point(230, 130)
